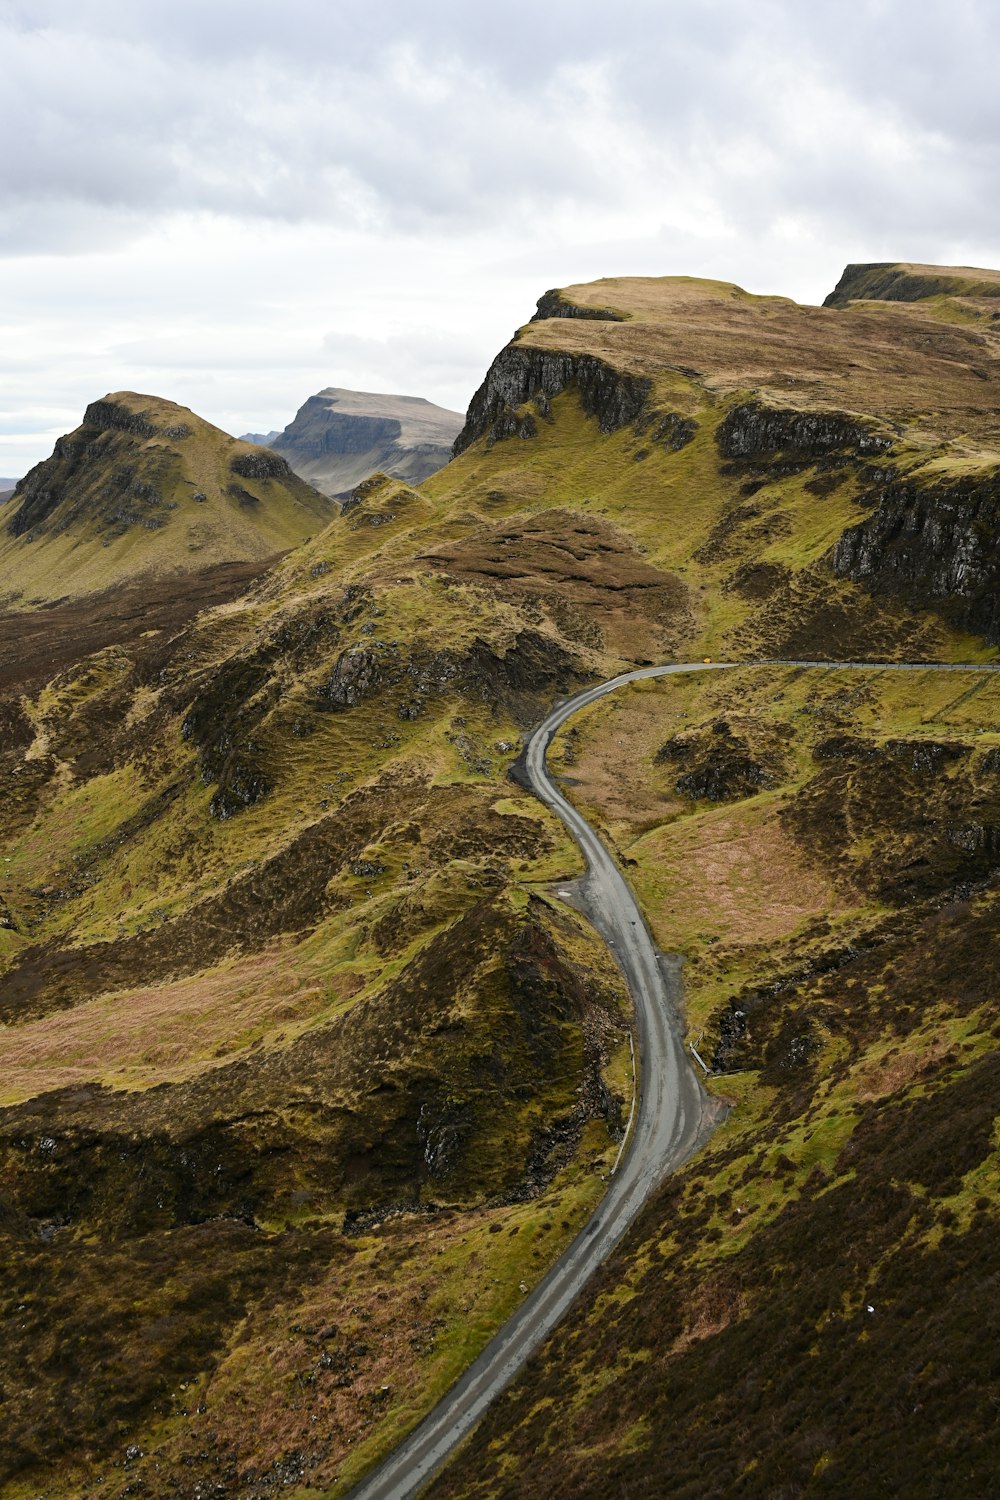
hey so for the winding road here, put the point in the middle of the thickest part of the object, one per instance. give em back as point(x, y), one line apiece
point(674, 1115)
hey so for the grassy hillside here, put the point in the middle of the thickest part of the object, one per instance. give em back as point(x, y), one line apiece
point(822, 848)
point(307, 1074)
point(145, 487)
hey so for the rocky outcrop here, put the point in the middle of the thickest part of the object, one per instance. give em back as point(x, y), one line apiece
point(516, 680)
point(262, 465)
point(669, 428)
point(755, 431)
point(522, 373)
point(933, 546)
point(718, 766)
point(108, 416)
point(555, 304)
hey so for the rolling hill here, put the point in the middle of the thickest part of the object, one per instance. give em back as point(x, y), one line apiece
point(308, 1072)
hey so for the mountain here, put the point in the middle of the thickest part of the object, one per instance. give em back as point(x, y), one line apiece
point(308, 1069)
point(340, 438)
point(262, 439)
point(145, 487)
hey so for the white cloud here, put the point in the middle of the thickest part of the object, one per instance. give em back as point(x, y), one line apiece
point(235, 203)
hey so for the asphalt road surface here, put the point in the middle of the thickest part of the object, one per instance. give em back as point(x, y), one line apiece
point(673, 1115)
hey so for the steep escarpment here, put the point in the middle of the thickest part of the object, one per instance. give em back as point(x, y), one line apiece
point(930, 540)
point(751, 430)
point(523, 374)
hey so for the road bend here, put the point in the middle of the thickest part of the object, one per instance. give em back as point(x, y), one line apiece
point(673, 1114)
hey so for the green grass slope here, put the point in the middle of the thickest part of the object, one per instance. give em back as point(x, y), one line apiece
point(144, 487)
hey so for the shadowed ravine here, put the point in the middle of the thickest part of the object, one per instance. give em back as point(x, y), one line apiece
point(673, 1115)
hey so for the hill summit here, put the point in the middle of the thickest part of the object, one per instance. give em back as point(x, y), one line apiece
point(145, 486)
point(340, 438)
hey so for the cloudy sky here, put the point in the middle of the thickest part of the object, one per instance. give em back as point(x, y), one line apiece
point(235, 202)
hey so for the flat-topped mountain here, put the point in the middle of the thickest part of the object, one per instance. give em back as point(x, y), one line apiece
point(339, 438)
point(144, 486)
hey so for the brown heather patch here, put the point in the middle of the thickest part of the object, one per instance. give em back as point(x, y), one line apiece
point(713, 1307)
point(893, 1075)
point(587, 574)
point(606, 763)
point(736, 873)
point(163, 1033)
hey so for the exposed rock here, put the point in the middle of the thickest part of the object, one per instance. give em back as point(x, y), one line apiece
point(894, 281)
point(114, 416)
point(753, 430)
point(263, 465)
point(674, 431)
point(718, 766)
point(515, 681)
point(522, 373)
point(357, 674)
point(555, 304)
point(933, 545)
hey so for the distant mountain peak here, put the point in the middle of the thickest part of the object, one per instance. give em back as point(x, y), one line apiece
point(339, 438)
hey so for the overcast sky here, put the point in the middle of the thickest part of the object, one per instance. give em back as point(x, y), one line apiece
point(232, 203)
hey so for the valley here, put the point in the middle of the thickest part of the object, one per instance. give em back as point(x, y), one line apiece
point(310, 1072)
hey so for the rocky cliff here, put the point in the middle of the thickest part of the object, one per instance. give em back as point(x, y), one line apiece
point(930, 543)
point(523, 374)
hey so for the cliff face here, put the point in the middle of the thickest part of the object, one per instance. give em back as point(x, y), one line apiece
point(339, 438)
point(752, 430)
point(555, 304)
point(523, 372)
point(931, 545)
